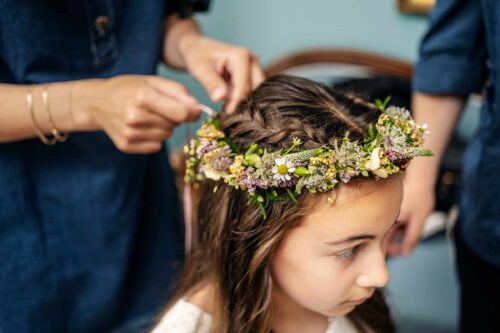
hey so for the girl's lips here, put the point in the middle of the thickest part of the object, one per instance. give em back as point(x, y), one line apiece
point(357, 301)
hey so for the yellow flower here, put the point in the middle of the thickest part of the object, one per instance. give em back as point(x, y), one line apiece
point(210, 132)
point(236, 171)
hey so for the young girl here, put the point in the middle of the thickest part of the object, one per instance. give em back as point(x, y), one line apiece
point(303, 186)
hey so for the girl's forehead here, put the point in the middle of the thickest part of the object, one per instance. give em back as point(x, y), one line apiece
point(359, 208)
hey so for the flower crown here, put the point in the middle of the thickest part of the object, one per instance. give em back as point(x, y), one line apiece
point(283, 174)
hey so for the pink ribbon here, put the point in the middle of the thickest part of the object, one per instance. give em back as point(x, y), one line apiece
point(187, 197)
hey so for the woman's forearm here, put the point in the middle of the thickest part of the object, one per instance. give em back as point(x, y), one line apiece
point(440, 113)
point(19, 118)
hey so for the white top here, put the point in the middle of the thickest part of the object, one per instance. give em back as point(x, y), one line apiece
point(185, 317)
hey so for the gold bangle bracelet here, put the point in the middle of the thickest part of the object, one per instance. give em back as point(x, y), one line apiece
point(38, 130)
point(59, 136)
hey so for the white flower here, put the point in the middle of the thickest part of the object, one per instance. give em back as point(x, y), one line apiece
point(425, 128)
point(374, 161)
point(283, 169)
point(382, 173)
point(210, 173)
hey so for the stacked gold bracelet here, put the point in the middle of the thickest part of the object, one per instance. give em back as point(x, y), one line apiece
point(56, 135)
point(59, 136)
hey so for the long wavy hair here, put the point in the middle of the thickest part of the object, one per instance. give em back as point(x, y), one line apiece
point(233, 244)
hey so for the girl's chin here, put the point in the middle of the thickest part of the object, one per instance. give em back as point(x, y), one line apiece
point(341, 310)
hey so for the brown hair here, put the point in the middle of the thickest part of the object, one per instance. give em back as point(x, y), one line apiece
point(233, 243)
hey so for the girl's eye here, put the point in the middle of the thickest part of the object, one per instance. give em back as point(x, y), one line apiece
point(348, 255)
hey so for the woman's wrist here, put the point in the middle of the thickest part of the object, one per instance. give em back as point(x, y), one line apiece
point(53, 107)
point(180, 34)
point(48, 111)
point(84, 104)
point(422, 175)
point(186, 41)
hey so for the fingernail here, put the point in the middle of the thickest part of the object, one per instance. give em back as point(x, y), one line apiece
point(217, 93)
point(208, 110)
point(229, 108)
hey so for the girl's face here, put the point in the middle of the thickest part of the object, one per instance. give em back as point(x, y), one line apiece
point(335, 258)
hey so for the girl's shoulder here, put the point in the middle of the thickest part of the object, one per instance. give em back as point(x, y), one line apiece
point(192, 315)
point(184, 317)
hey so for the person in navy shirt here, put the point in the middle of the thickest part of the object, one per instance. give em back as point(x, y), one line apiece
point(90, 226)
point(460, 55)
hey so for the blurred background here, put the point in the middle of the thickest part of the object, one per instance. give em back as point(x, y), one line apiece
point(276, 28)
point(370, 47)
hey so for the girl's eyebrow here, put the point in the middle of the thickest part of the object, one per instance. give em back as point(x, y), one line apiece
point(351, 239)
point(354, 238)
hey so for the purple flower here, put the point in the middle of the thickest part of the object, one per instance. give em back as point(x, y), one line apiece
point(288, 183)
point(347, 176)
point(223, 161)
point(251, 183)
point(205, 147)
point(393, 155)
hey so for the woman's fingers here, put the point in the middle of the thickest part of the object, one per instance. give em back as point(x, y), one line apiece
point(138, 134)
point(145, 118)
point(227, 72)
point(257, 73)
point(238, 67)
point(139, 139)
point(206, 73)
point(143, 147)
point(139, 112)
point(169, 108)
point(172, 89)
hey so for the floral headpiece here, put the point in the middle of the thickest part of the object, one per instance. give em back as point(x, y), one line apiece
point(282, 175)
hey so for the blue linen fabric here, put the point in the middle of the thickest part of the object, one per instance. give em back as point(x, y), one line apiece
point(90, 237)
point(460, 55)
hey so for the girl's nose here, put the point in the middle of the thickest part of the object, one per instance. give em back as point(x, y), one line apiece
point(375, 273)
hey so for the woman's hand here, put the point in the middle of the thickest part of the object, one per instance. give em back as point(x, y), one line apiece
point(137, 112)
point(226, 72)
point(418, 202)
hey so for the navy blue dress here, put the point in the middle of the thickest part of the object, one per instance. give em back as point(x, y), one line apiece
point(90, 237)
